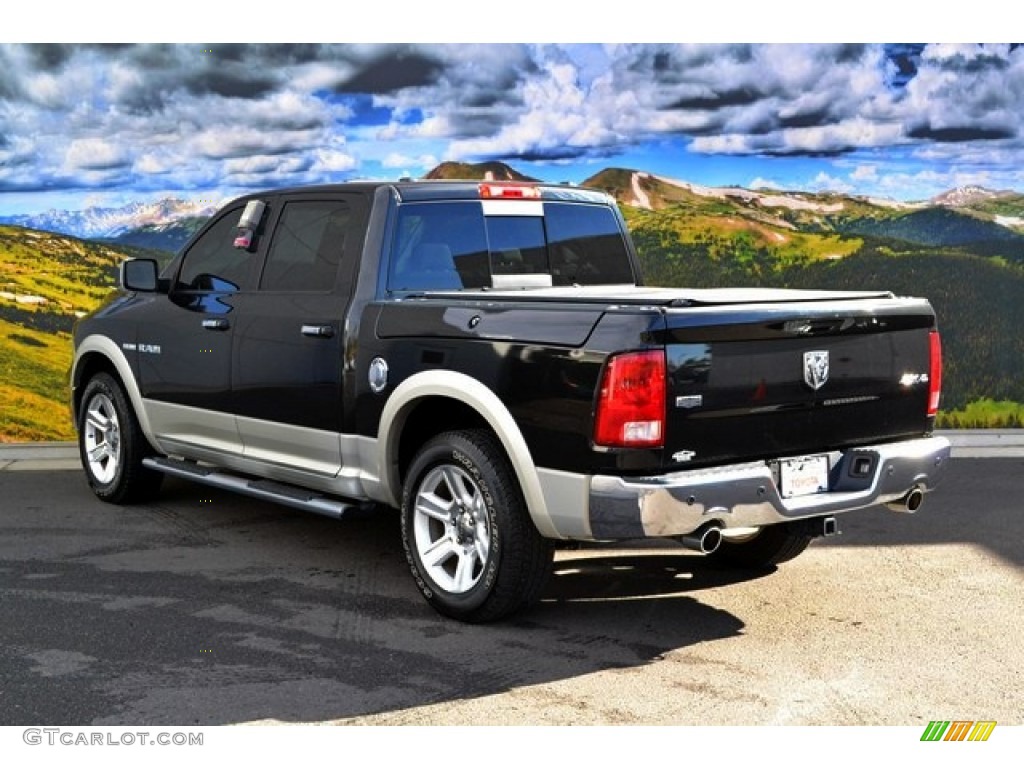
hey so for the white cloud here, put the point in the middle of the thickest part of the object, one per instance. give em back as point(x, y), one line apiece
point(434, 127)
point(151, 116)
point(92, 154)
point(825, 183)
point(865, 173)
point(398, 160)
point(975, 89)
point(332, 161)
point(252, 164)
point(152, 164)
point(226, 141)
point(762, 183)
point(726, 144)
point(557, 120)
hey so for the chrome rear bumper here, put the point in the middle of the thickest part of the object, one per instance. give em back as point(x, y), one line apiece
point(746, 495)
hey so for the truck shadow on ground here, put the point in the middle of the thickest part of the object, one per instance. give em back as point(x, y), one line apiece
point(230, 610)
point(978, 502)
point(207, 608)
point(623, 577)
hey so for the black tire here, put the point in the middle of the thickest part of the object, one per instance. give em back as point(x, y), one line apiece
point(473, 550)
point(112, 445)
point(772, 545)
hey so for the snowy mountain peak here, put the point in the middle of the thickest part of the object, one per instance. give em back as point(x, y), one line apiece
point(110, 222)
point(965, 196)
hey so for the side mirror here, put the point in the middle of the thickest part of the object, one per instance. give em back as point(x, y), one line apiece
point(139, 275)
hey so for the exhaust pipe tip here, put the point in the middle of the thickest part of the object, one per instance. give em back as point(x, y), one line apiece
point(705, 539)
point(914, 500)
point(712, 539)
point(909, 503)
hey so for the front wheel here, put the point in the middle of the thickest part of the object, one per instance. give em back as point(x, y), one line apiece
point(112, 445)
point(472, 548)
point(771, 545)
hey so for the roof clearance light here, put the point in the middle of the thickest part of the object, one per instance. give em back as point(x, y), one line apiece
point(511, 191)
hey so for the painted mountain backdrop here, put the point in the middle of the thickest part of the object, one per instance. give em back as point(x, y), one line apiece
point(165, 224)
point(987, 221)
point(963, 249)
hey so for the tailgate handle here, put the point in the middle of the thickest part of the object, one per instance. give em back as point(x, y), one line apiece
point(216, 324)
point(318, 331)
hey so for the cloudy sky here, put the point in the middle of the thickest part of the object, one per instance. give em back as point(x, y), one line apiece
point(83, 124)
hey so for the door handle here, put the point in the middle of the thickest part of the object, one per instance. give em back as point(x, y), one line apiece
point(318, 331)
point(216, 324)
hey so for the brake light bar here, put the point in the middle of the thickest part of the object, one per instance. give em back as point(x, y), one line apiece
point(510, 191)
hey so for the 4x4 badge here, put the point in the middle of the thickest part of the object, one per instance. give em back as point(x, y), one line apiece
point(816, 368)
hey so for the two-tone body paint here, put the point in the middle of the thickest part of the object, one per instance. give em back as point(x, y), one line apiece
point(528, 363)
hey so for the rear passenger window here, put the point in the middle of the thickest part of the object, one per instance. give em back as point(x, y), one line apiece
point(307, 247)
point(439, 246)
point(586, 245)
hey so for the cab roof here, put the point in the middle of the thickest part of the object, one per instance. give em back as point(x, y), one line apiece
point(408, 190)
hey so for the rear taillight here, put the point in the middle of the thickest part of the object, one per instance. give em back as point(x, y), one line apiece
point(934, 372)
point(631, 403)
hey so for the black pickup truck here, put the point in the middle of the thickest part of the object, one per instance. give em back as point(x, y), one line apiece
point(485, 357)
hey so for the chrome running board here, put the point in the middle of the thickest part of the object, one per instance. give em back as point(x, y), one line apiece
point(267, 490)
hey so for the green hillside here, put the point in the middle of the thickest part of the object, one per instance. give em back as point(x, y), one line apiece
point(979, 303)
point(494, 171)
point(940, 227)
point(744, 247)
point(46, 281)
point(965, 254)
point(167, 238)
point(979, 300)
point(1004, 204)
point(619, 183)
point(985, 223)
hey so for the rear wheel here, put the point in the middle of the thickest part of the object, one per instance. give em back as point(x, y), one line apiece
point(771, 545)
point(112, 445)
point(472, 548)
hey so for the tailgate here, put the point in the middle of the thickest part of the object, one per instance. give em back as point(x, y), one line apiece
point(761, 381)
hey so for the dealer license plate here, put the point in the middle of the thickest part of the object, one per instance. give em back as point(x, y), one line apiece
point(803, 476)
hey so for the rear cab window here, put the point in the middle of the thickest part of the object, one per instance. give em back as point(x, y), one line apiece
point(474, 244)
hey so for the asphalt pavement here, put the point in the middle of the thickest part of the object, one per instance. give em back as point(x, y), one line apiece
point(208, 608)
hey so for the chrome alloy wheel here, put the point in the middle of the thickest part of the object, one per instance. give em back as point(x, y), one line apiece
point(451, 529)
point(102, 434)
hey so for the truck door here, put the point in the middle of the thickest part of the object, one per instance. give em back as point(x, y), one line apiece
point(288, 357)
point(184, 345)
